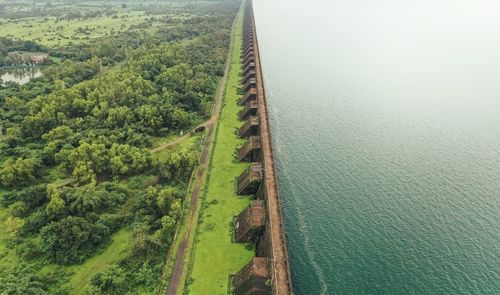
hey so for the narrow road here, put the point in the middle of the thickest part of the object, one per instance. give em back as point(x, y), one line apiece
point(173, 142)
point(185, 136)
point(210, 125)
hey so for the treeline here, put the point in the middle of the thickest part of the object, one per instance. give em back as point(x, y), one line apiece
point(12, 12)
point(161, 90)
point(11, 45)
point(8, 44)
point(75, 152)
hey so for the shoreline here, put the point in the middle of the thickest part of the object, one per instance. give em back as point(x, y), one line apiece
point(273, 244)
point(240, 233)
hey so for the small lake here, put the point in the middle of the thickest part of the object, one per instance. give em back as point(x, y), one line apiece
point(20, 75)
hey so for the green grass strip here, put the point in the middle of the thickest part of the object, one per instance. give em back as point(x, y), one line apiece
point(215, 255)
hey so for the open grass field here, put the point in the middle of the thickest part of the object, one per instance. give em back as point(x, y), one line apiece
point(59, 23)
point(52, 32)
point(215, 255)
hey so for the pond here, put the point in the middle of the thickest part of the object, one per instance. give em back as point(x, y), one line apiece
point(20, 75)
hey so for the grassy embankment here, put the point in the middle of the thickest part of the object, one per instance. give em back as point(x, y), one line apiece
point(184, 226)
point(215, 256)
point(189, 224)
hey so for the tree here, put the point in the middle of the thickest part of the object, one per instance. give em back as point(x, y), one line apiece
point(15, 173)
point(119, 117)
point(166, 231)
point(56, 206)
point(94, 155)
point(118, 166)
point(145, 245)
point(18, 209)
point(14, 225)
point(87, 200)
point(22, 280)
point(125, 159)
point(83, 173)
point(33, 197)
point(72, 239)
point(150, 116)
point(90, 199)
point(85, 161)
point(59, 133)
point(177, 165)
point(166, 196)
point(111, 280)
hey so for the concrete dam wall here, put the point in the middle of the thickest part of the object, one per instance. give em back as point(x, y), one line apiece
point(261, 223)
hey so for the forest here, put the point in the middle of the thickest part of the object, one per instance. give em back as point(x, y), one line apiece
point(77, 170)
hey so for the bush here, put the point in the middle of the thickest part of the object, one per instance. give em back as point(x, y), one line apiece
point(111, 280)
point(22, 280)
point(72, 239)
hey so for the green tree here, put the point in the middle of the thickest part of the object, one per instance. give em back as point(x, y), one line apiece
point(72, 239)
point(177, 165)
point(119, 117)
point(56, 206)
point(15, 173)
point(125, 159)
point(111, 280)
point(22, 280)
point(13, 225)
point(93, 155)
point(83, 173)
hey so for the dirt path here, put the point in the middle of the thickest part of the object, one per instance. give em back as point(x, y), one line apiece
point(210, 125)
point(173, 142)
point(187, 135)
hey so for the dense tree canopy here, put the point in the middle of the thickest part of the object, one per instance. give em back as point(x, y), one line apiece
point(76, 160)
point(18, 172)
point(71, 239)
point(22, 279)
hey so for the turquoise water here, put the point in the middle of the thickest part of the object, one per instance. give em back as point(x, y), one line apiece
point(386, 126)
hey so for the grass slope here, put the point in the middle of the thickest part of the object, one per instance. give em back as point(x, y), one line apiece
point(120, 246)
point(215, 255)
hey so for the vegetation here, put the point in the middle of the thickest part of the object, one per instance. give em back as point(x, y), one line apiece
point(62, 23)
point(86, 206)
point(213, 247)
